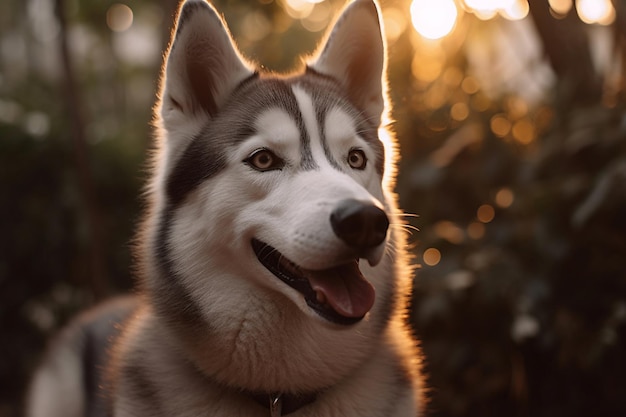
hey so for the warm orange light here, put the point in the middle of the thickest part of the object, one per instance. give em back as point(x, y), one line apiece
point(449, 231)
point(433, 20)
point(517, 10)
point(482, 4)
point(500, 125)
point(504, 197)
point(459, 111)
point(427, 68)
point(476, 230)
point(318, 19)
point(524, 131)
point(431, 256)
point(596, 11)
point(488, 9)
point(470, 85)
point(119, 17)
point(561, 7)
point(395, 23)
point(255, 26)
point(298, 9)
point(488, 6)
point(453, 76)
point(480, 102)
point(516, 107)
point(485, 213)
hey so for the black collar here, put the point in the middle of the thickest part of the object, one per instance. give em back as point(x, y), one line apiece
point(283, 404)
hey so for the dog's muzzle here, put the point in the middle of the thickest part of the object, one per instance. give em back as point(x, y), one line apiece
point(340, 294)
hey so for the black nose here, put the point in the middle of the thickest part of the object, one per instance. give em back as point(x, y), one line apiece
point(360, 224)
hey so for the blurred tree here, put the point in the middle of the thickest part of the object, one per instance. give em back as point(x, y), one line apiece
point(566, 45)
point(523, 312)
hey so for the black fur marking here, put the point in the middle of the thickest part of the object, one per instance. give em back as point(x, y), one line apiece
point(205, 155)
point(175, 304)
point(312, 71)
point(320, 115)
point(282, 97)
point(326, 93)
point(307, 162)
point(253, 77)
point(142, 388)
point(200, 161)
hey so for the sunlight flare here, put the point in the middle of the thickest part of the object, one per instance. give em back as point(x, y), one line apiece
point(433, 20)
point(596, 11)
point(517, 10)
point(561, 7)
point(488, 5)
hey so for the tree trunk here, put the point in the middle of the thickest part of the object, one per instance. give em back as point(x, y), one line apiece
point(96, 281)
point(567, 48)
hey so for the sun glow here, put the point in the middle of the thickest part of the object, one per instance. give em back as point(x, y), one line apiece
point(488, 9)
point(596, 11)
point(298, 9)
point(561, 7)
point(517, 10)
point(433, 20)
point(487, 5)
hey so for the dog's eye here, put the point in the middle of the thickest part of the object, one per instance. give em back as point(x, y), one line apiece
point(357, 159)
point(264, 160)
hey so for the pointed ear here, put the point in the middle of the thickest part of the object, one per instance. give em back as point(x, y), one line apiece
point(202, 66)
point(354, 54)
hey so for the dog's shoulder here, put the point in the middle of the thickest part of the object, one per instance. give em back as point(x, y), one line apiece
point(74, 362)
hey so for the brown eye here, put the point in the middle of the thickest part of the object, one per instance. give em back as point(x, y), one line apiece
point(264, 160)
point(357, 159)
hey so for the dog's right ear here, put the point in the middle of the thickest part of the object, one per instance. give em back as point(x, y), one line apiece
point(354, 54)
point(202, 66)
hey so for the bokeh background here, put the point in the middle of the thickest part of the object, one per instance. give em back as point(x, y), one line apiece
point(511, 118)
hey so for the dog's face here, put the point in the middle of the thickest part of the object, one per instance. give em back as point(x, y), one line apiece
point(273, 220)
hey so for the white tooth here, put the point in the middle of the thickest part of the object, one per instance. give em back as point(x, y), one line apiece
point(321, 298)
point(375, 256)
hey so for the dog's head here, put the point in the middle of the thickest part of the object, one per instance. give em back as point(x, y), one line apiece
point(270, 213)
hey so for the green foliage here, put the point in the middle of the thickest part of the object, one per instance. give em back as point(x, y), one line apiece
point(530, 318)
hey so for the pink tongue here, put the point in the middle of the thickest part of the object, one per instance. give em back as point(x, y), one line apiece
point(345, 289)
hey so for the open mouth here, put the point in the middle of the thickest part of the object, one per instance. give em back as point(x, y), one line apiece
point(340, 294)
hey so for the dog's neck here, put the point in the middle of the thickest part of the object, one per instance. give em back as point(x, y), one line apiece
point(283, 404)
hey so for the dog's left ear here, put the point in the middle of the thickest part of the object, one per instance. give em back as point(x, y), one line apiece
point(203, 65)
point(354, 54)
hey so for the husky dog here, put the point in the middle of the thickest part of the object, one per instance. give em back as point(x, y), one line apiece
point(274, 277)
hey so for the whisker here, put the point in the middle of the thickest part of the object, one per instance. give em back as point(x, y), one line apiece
point(408, 215)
